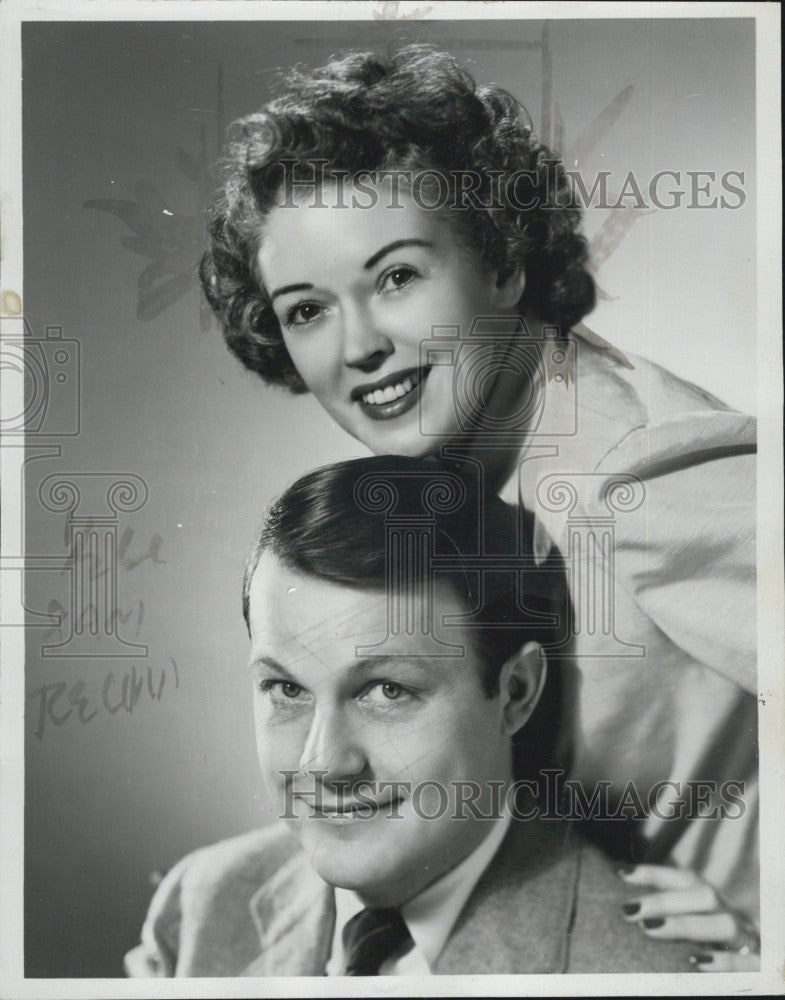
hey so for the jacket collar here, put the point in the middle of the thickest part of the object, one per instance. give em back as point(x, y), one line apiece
point(294, 913)
point(517, 920)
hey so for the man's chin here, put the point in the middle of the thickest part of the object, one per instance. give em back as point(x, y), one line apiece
point(371, 877)
point(358, 877)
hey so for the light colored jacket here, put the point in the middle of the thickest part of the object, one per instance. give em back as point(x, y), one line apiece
point(253, 906)
point(667, 682)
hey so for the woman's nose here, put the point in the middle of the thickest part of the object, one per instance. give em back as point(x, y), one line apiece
point(365, 346)
point(332, 748)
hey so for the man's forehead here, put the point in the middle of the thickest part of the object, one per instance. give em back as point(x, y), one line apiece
point(281, 598)
point(286, 605)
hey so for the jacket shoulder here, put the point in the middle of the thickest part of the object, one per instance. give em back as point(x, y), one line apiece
point(199, 921)
point(227, 866)
point(647, 391)
point(601, 939)
point(617, 420)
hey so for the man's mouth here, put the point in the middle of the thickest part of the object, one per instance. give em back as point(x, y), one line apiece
point(350, 810)
point(391, 396)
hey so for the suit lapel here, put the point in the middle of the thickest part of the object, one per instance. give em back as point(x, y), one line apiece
point(294, 913)
point(518, 918)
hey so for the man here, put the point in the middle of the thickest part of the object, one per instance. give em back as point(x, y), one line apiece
point(397, 619)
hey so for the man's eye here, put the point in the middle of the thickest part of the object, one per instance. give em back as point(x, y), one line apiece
point(397, 277)
point(302, 314)
point(383, 692)
point(289, 689)
point(281, 689)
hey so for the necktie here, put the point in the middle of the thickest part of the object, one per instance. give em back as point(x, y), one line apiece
point(370, 937)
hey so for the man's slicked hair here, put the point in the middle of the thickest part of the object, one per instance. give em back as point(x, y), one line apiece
point(332, 524)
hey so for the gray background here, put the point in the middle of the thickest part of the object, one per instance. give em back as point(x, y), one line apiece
point(105, 107)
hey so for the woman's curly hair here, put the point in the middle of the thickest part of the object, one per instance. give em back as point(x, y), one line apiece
point(363, 112)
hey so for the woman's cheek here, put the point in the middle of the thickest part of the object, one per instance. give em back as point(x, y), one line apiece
point(299, 359)
point(316, 354)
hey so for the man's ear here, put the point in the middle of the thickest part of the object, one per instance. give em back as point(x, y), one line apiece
point(521, 683)
point(509, 288)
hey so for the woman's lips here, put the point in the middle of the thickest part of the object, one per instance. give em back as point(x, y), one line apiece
point(392, 396)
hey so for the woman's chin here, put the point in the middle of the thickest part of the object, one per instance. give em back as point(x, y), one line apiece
point(411, 445)
point(405, 435)
point(418, 448)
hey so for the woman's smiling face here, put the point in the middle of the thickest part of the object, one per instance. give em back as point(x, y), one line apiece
point(357, 291)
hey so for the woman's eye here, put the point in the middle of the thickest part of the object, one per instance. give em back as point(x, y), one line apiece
point(397, 277)
point(302, 314)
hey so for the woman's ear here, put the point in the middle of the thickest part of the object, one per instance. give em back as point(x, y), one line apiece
point(521, 683)
point(508, 289)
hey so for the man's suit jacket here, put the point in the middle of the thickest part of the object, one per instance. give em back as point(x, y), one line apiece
point(253, 906)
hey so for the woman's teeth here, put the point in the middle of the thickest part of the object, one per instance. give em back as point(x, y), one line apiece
point(391, 393)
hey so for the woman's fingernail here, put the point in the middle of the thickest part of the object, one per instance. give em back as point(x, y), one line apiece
point(630, 909)
point(624, 870)
point(651, 923)
point(701, 959)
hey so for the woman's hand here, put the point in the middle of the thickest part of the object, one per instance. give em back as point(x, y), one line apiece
point(684, 906)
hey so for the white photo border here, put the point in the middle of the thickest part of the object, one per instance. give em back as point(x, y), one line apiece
point(771, 606)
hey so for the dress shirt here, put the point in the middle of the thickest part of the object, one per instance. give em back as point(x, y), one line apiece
point(430, 915)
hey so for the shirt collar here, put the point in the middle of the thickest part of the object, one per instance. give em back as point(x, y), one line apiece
point(431, 914)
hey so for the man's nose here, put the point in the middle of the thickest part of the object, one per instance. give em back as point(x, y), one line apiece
point(365, 345)
point(332, 747)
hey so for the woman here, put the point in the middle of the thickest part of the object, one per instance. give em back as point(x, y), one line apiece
point(396, 241)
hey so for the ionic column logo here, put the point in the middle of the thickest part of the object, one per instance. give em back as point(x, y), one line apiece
point(590, 551)
point(93, 502)
point(409, 554)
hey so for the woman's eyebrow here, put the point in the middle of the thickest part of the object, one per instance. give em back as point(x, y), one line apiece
point(395, 245)
point(306, 286)
point(302, 287)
